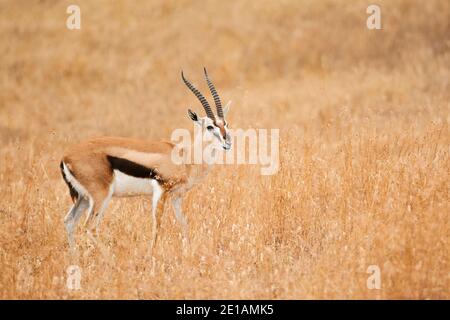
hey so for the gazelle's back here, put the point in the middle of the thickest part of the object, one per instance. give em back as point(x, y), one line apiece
point(98, 163)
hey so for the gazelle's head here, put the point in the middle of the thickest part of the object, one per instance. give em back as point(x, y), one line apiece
point(214, 127)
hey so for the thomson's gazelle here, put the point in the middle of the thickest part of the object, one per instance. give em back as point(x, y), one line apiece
point(98, 169)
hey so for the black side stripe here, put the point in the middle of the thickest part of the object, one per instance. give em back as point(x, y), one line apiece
point(73, 192)
point(133, 169)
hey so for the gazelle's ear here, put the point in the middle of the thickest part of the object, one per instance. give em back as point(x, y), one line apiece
point(226, 108)
point(192, 115)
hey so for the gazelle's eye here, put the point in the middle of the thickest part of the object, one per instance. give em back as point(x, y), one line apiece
point(210, 128)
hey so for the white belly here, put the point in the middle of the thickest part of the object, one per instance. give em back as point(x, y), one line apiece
point(127, 186)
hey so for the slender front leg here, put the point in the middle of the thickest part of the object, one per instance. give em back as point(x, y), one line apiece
point(176, 202)
point(158, 201)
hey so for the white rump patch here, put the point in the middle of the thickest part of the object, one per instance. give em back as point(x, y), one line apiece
point(128, 186)
point(75, 184)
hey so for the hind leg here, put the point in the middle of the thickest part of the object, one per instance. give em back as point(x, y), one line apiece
point(72, 218)
point(100, 201)
point(98, 215)
point(176, 202)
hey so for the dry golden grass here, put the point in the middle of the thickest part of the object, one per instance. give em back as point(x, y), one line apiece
point(364, 120)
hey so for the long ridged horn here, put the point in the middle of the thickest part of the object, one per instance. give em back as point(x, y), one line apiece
point(215, 95)
point(200, 97)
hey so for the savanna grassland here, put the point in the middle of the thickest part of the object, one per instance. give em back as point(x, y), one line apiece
point(364, 147)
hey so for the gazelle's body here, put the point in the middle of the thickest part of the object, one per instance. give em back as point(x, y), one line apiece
point(98, 169)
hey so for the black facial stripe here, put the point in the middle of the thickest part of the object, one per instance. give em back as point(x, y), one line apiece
point(133, 169)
